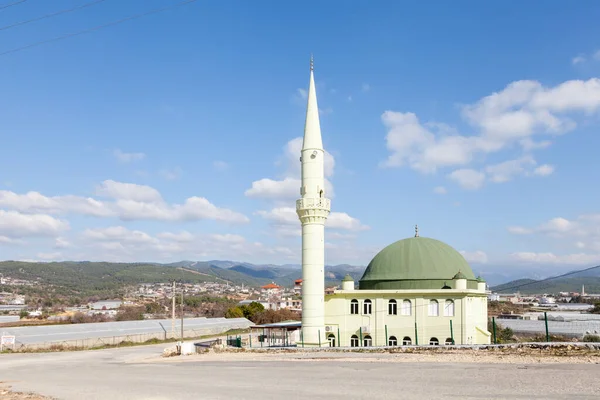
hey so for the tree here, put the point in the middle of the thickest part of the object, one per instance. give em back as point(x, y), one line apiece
point(252, 309)
point(272, 316)
point(234, 312)
point(23, 314)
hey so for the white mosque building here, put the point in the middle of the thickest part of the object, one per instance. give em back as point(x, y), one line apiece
point(416, 291)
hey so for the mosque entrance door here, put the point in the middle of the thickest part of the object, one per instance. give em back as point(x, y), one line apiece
point(331, 338)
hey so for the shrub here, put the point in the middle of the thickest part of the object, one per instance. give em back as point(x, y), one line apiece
point(591, 338)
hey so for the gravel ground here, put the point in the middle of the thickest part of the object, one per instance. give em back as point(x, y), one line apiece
point(141, 373)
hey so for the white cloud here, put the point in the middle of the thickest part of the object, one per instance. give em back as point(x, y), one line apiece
point(366, 87)
point(54, 256)
point(553, 259)
point(285, 217)
point(303, 93)
point(121, 244)
point(512, 116)
point(128, 191)
point(478, 257)
point(583, 232)
point(468, 178)
point(528, 144)
point(220, 165)
point(440, 190)
point(128, 157)
point(578, 60)
point(14, 224)
point(129, 202)
point(120, 234)
point(288, 188)
point(507, 170)
point(544, 170)
point(170, 174)
point(61, 243)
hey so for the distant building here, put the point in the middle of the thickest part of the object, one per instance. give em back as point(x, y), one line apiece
point(298, 286)
point(271, 289)
point(106, 305)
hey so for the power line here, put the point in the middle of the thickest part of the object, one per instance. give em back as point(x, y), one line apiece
point(12, 4)
point(548, 279)
point(51, 15)
point(96, 28)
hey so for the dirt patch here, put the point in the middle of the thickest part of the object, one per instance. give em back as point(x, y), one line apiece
point(7, 394)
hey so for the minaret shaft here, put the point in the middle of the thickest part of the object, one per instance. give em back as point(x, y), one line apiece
point(313, 209)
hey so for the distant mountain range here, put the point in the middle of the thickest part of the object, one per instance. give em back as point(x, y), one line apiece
point(252, 274)
point(99, 277)
point(572, 281)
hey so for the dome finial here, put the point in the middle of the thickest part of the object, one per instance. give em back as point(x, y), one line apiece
point(312, 62)
point(416, 230)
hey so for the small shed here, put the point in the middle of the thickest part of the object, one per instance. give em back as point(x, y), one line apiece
point(278, 334)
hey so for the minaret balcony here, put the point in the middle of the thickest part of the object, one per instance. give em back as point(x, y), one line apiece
point(308, 203)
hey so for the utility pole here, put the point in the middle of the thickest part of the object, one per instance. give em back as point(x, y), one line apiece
point(173, 311)
point(182, 312)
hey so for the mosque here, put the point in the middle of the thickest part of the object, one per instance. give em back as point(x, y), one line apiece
point(416, 291)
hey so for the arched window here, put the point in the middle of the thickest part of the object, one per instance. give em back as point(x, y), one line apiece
point(392, 307)
point(392, 341)
point(354, 306)
point(449, 341)
point(367, 307)
point(406, 341)
point(434, 341)
point(367, 341)
point(331, 339)
point(354, 341)
point(449, 308)
point(406, 308)
point(434, 308)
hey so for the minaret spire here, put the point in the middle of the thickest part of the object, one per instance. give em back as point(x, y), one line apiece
point(416, 230)
point(312, 127)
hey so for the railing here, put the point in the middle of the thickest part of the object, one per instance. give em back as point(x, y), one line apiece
point(305, 203)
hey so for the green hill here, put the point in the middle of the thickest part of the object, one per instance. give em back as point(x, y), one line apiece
point(92, 278)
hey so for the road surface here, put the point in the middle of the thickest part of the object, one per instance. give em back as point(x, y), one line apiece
point(138, 373)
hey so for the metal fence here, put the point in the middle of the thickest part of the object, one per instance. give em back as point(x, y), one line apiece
point(547, 327)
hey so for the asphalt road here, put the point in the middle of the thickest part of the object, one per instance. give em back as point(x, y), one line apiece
point(136, 373)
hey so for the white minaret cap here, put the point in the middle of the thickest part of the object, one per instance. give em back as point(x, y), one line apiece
point(312, 127)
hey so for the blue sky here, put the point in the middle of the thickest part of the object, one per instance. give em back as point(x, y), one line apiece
point(171, 136)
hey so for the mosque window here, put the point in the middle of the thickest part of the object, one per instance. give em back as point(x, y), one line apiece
point(449, 308)
point(392, 307)
point(434, 341)
point(392, 341)
point(367, 307)
point(331, 339)
point(354, 341)
point(434, 308)
point(449, 341)
point(367, 341)
point(354, 306)
point(406, 307)
point(406, 341)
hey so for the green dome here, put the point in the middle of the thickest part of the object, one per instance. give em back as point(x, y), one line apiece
point(416, 263)
point(347, 278)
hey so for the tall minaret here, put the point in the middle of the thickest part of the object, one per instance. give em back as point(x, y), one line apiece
point(313, 209)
